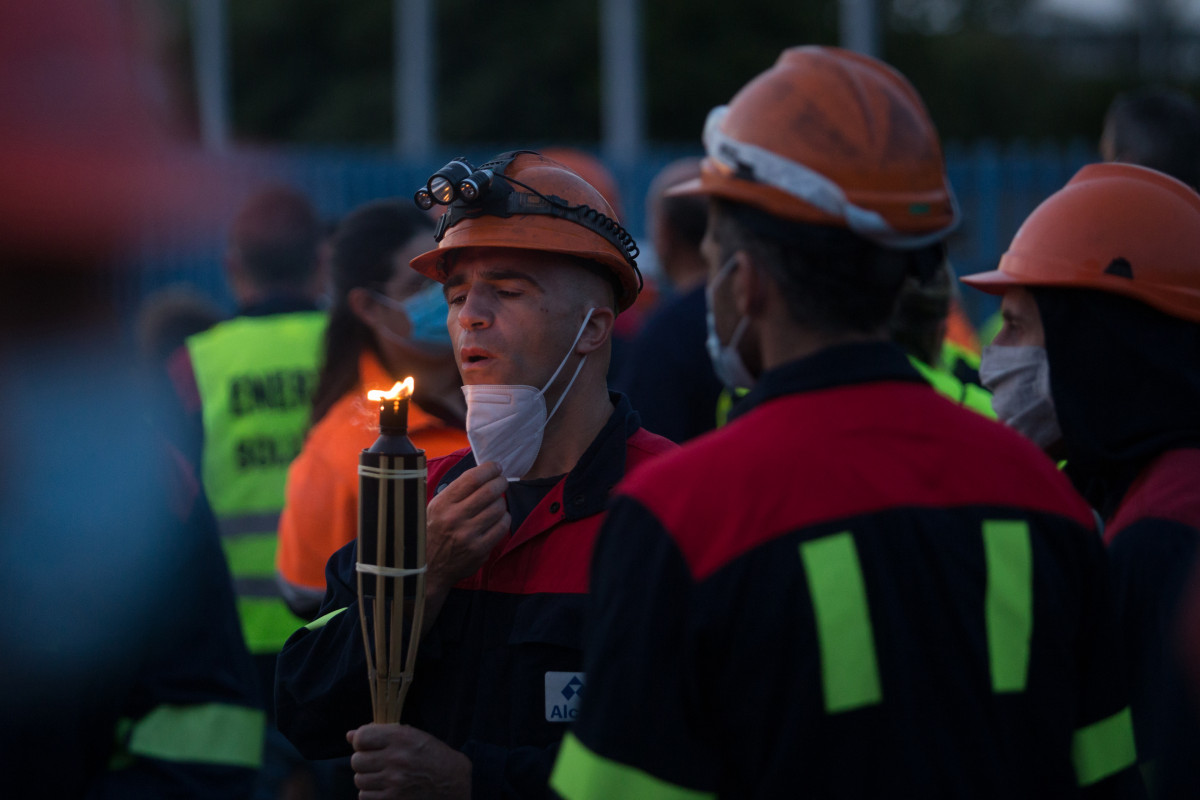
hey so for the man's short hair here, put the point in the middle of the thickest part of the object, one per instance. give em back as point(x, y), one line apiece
point(1159, 128)
point(832, 280)
point(277, 233)
point(918, 325)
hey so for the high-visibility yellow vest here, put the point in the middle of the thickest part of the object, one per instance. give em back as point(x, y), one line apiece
point(256, 377)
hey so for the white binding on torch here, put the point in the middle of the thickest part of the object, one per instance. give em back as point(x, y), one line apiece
point(390, 474)
point(388, 572)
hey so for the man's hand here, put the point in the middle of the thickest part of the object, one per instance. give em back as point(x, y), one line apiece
point(463, 524)
point(399, 761)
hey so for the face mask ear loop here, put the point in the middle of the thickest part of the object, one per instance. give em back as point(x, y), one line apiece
point(582, 361)
point(738, 333)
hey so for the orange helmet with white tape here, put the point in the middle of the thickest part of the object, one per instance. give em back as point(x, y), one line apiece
point(831, 137)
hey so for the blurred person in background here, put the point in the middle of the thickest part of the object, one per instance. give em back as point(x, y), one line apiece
point(855, 588)
point(630, 321)
point(165, 319)
point(168, 316)
point(1153, 126)
point(246, 386)
point(666, 371)
point(1156, 127)
point(386, 323)
point(929, 325)
point(124, 674)
point(1098, 363)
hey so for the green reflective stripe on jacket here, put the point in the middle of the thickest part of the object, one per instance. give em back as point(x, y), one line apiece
point(320, 622)
point(580, 774)
point(725, 401)
point(213, 733)
point(849, 669)
point(1008, 553)
point(967, 395)
point(1104, 748)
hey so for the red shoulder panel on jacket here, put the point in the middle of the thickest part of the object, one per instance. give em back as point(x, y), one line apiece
point(1168, 489)
point(826, 455)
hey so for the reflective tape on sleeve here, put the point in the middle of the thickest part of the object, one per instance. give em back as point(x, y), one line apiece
point(320, 622)
point(1008, 602)
point(1104, 748)
point(212, 733)
point(580, 774)
point(849, 669)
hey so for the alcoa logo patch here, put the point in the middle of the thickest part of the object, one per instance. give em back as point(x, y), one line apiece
point(563, 690)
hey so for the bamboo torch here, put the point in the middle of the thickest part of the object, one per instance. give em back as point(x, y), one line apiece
point(391, 552)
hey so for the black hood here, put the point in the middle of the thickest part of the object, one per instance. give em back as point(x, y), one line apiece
point(1126, 384)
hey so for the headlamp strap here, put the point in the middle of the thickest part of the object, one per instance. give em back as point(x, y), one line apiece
point(501, 200)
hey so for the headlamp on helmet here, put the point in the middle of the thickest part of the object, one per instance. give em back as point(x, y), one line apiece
point(444, 185)
point(472, 192)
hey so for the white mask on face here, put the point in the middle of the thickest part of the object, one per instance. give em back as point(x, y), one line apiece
point(505, 422)
point(1019, 379)
point(726, 360)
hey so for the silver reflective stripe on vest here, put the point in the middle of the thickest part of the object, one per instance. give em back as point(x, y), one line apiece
point(232, 527)
point(303, 600)
point(256, 587)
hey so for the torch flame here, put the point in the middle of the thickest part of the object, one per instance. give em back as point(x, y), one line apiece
point(401, 390)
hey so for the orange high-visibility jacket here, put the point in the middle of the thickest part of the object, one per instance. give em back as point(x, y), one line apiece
point(321, 513)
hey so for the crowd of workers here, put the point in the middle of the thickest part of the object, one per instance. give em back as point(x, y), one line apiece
point(786, 529)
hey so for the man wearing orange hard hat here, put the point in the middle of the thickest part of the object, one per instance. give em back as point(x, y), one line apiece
point(1099, 363)
point(535, 268)
point(842, 592)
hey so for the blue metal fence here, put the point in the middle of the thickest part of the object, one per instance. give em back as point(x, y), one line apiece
point(997, 187)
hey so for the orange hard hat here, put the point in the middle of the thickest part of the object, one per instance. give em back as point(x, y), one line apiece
point(1116, 228)
point(831, 137)
point(530, 202)
point(592, 170)
point(86, 152)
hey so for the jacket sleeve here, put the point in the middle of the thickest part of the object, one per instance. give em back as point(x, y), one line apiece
point(320, 515)
point(639, 732)
point(321, 688)
point(502, 773)
point(192, 723)
point(1103, 747)
point(1151, 562)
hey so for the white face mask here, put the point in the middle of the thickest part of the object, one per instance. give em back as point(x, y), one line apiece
point(1019, 379)
point(505, 422)
point(726, 360)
